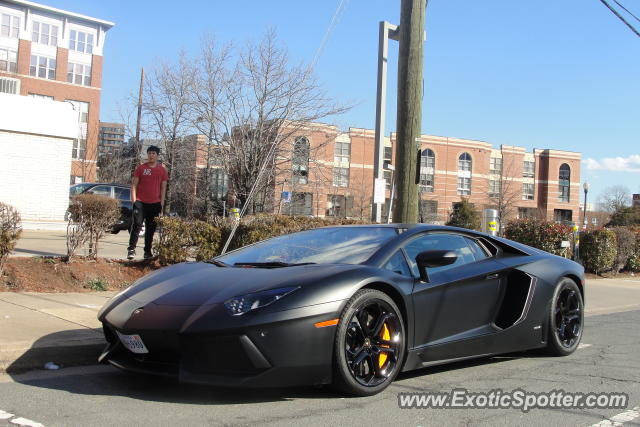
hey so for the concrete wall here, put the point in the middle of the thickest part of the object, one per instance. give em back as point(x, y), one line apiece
point(36, 138)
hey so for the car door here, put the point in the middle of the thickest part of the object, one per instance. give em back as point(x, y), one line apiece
point(459, 300)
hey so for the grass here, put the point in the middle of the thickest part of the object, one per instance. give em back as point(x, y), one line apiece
point(97, 284)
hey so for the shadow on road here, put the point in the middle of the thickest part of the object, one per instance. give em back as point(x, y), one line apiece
point(110, 381)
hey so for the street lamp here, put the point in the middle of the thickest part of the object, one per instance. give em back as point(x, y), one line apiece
point(585, 186)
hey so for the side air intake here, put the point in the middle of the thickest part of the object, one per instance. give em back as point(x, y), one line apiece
point(515, 305)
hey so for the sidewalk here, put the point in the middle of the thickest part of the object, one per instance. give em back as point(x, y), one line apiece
point(54, 243)
point(37, 328)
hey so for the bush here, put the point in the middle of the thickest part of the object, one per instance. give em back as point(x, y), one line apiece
point(625, 216)
point(90, 216)
point(539, 234)
point(598, 250)
point(181, 240)
point(633, 263)
point(625, 246)
point(464, 215)
point(10, 230)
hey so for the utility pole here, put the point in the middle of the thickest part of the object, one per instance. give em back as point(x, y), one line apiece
point(410, 88)
point(138, 146)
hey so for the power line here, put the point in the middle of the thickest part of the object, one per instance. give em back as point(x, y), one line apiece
point(615, 12)
point(332, 24)
point(627, 10)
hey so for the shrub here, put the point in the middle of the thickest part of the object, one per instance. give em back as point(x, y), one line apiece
point(464, 215)
point(544, 235)
point(633, 263)
point(598, 250)
point(90, 216)
point(206, 239)
point(625, 245)
point(175, 240)
point(97, 284)
point(10, 230)
point(625, 216)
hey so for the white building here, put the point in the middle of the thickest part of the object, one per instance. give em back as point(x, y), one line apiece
point(36, 137)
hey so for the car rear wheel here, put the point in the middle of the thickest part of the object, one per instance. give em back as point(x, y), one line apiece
point(369, 344)
point(566, 318)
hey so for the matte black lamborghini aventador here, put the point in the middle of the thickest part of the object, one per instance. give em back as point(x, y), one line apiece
point(351, 306)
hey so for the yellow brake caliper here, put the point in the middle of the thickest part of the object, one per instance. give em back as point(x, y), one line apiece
point(387, 337)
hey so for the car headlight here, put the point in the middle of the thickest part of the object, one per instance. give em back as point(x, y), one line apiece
point(245, 303)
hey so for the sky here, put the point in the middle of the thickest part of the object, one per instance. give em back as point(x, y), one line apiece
point(561, 74)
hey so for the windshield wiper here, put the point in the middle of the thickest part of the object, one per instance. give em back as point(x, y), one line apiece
point(270, 264)
point(216, 262)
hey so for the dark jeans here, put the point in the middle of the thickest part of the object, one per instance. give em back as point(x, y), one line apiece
point(147, 212)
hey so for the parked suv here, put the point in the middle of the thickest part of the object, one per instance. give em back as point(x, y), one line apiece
point(117, 191)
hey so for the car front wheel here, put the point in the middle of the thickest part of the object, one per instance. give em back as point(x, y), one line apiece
point(369, 344)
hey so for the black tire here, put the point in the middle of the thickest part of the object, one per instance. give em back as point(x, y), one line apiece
point(566, 319)
point(369, 345)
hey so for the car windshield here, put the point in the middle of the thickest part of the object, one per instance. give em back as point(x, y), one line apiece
point(78, 188)
point(348, 245)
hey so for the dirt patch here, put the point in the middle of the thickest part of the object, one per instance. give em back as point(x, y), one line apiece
point(52, 274)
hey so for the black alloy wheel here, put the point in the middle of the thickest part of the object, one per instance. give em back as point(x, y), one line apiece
point(566, 318)
point(370, 343)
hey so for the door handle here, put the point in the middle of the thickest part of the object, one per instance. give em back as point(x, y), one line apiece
point(492, 276)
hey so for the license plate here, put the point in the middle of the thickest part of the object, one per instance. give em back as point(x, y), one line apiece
point(133, 343)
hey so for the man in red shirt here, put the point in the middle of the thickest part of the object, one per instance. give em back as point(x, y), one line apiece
point(148, 189)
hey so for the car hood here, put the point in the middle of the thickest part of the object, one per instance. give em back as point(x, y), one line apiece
point(198, 283)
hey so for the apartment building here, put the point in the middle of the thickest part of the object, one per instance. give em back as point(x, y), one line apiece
point(54, 54)
point(331, 174)
point(110, 138)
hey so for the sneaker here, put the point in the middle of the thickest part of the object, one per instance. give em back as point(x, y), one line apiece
point(148, 255)
point(131, 253)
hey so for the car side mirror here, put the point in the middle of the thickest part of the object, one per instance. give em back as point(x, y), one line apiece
point(432, 259)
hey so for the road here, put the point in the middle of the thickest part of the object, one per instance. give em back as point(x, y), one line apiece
point(608, 361)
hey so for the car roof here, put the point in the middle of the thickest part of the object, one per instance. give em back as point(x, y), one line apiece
point(102, 183)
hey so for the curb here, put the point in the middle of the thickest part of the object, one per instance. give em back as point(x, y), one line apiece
point(20, 359)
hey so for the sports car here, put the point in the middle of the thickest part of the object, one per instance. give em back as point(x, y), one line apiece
point(350, 306)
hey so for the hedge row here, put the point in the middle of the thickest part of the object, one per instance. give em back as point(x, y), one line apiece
point(544, 235)
point(182, 239)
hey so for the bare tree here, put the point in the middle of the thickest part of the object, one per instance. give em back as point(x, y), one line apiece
point(614, 198)
point(509, 192)
point(166, 103)
point(269, 101)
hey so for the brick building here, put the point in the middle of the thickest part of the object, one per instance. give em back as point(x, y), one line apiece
point(331, 174)
point(54, 54)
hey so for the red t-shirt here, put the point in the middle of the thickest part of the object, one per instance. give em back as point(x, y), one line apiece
point(150, 184)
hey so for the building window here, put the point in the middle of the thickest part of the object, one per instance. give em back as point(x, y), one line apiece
point(301, 204)
point(341, 177)
point(494, 188)
point(338, 205)
point(428, 211)
point(341, 152)
point(76, 179)
point(37, 95)
point(464, 174)
point(79, 74)
point(527, 191)
point(43, 67)
point(218, 184)
point(9, 85)
point(527, 213)
point(388, 154)
point(427, 170)
point(9, 26)
point(464, 186)
point(44, 33)
point(387, 179)
point(79, 149)
point(464, 162)
point(301, 160)
point(80, 41)
point(564, 182)
point(82, 108)
point(495, 165)
point(562, 215)
point(8, 60)
point(528, 169)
